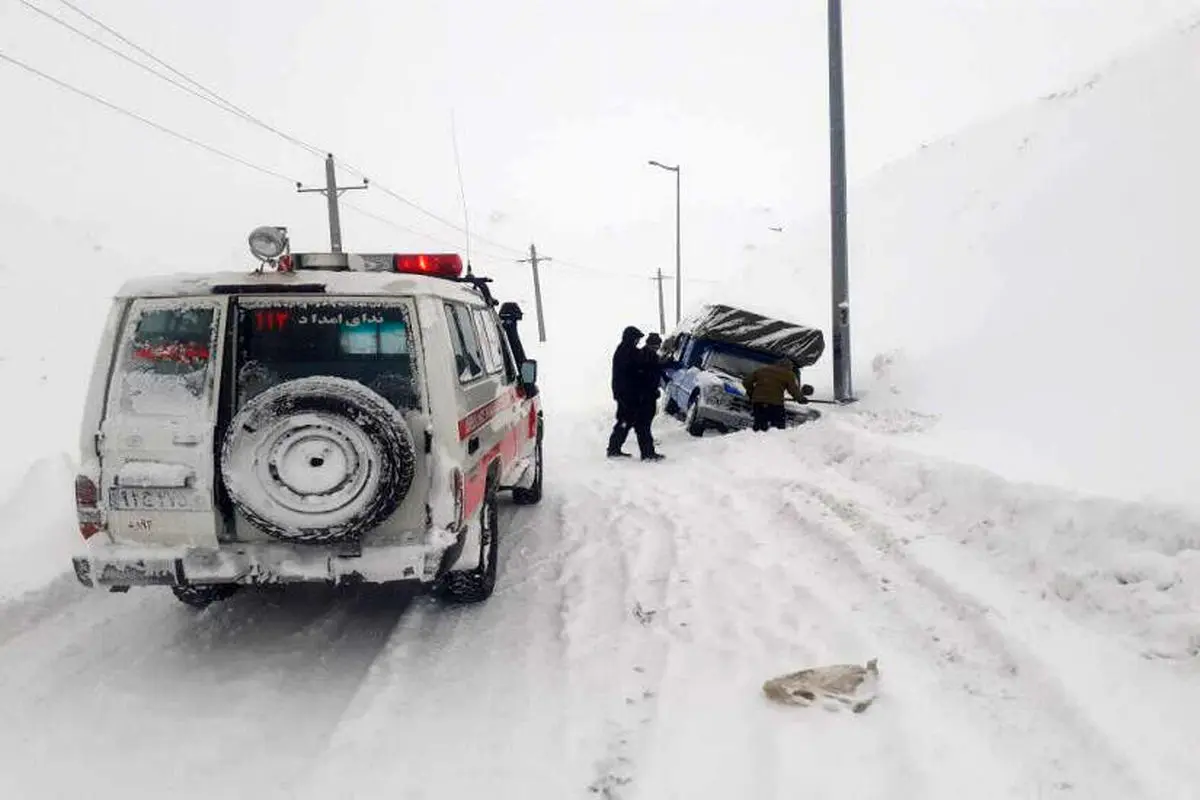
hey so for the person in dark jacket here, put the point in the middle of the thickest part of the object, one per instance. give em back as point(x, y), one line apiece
point(651, 374)
point(766, 387)
point(629, 391)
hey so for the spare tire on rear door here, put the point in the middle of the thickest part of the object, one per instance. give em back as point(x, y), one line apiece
point(317, 460)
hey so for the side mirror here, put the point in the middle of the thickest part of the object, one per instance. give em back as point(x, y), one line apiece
point(529, 372)
point(806, 389)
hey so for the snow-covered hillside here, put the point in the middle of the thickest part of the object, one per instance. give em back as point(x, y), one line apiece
point(1030, 282)
point(56, 277)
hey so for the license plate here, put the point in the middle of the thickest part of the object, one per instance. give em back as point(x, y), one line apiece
point(123, 499)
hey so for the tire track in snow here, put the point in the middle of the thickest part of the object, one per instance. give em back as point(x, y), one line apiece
point(465, 700)
point(755, 607)
point(1029, 715)
point(1111, 714)
point(212, 701)
point(617, 582)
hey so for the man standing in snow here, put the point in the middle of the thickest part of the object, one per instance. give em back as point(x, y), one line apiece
point(651, 374)
point(628, 388)
point(766, 387)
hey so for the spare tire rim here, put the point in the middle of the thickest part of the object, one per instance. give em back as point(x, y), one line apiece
point(315, 463)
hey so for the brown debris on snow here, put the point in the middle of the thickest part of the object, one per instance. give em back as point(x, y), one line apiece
point(839, 685)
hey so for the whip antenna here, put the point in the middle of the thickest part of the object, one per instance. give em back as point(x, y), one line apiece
point(462, 193)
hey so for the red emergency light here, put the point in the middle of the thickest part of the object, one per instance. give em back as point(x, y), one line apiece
point(440, 265)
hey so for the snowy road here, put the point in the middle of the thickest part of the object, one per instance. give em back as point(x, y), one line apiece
point(639, 610)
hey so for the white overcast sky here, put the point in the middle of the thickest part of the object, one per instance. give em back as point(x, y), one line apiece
point(558, 107)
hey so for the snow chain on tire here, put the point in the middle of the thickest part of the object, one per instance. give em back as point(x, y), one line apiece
point(477, 584)
point(318, 460)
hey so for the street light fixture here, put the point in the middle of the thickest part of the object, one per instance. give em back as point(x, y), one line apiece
point(678, 281)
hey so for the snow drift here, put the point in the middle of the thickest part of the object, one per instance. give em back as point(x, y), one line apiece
point(39, 533)
point(56, 277)
point(1030, 282)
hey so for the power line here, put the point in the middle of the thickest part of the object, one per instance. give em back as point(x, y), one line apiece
point(393, 224)
point(96, 41)
point(462, 191)
point(487, 257)
point(630, 275)
point(216, 99)
point(213, 98)
point(417, 207)
point(563, 262)
point(421, 209)
point(145, 121)
point(174, 82)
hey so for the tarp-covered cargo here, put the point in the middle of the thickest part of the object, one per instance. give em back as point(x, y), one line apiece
point(737, 326)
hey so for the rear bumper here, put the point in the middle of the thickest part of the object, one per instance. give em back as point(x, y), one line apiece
point(267, 563)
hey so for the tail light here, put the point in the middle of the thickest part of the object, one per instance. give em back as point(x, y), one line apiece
point(86, 493)
point(87, 497)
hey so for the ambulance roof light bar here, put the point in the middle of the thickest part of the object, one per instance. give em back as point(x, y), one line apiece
point(436, 265)
point(441, 265)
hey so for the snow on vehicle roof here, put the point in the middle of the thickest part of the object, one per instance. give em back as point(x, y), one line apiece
point(737, 326)
point(334, 283)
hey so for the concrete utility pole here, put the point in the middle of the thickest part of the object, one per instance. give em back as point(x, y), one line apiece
point(533, 260)
point(662, 312)
point(843, 387)
point(678, 277)
point(332, 192)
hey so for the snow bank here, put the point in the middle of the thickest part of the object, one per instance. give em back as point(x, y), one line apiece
point(1127, 568)
point(1030, 283)
point(56, 277)
point(38, 531)
point(1137, 563)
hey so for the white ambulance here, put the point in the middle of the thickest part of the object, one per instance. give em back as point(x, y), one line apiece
point(329, 417)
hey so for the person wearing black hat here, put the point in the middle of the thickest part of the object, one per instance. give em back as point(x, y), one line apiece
point(628, 389)
point(651, 374)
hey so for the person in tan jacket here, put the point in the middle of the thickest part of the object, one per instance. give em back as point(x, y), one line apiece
point(766, 387)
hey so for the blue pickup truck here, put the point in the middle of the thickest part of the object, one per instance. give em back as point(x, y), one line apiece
point(708, 355)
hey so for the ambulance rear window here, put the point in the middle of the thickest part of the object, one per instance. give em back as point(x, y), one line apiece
point(362, 341)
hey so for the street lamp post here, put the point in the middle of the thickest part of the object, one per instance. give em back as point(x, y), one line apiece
point(843, 388)
point(678, 280)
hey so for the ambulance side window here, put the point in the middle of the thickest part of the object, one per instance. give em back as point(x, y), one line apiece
point(510, 369)
point(467, 357)
point(493, 354)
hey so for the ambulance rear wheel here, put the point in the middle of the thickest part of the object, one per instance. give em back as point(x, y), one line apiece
point(476, 584)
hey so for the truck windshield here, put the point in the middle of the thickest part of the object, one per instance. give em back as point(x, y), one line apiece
point(738, 366)
point(365, 341)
